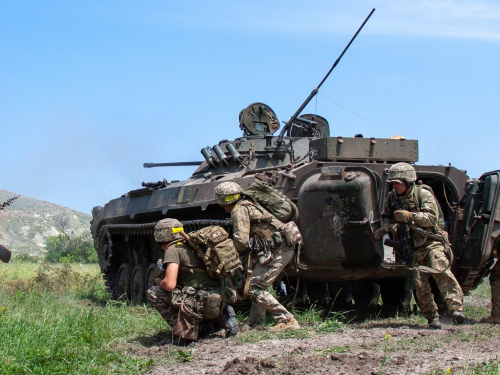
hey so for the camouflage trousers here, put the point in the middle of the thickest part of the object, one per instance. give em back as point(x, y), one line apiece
point(262, 277)
point(182, 311)
point(495, 290)
point(433, 256)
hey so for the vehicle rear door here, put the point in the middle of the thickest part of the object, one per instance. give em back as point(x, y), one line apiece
point(477, 221)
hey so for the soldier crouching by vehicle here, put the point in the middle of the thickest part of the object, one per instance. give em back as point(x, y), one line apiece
point(191, 302)
point(414, 206)
point(494, 318)
point(256, 230)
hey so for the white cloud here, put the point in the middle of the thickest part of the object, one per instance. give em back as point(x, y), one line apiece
point(457, 19)
point(442, 18)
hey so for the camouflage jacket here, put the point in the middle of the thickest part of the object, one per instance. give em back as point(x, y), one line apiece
point(425, 216)
point(246, 215)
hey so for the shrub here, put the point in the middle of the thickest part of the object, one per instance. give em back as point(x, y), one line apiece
point(76, 249)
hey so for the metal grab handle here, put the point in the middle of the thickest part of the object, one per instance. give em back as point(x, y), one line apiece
point(358, 222)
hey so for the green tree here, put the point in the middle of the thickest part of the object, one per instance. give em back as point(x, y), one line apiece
point(77, 248)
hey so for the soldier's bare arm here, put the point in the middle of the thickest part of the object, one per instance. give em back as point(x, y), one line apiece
point(170, 281)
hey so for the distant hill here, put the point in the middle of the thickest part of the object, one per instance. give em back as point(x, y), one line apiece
point(27, 222)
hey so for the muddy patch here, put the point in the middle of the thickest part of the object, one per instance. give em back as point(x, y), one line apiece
point(371, 349)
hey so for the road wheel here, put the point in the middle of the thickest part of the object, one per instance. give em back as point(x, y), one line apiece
point(318, 293)
point(366, 294)
point(150, 276)
point(340, 295)
point(122, 290)
point(137, 289)
point(394, 294)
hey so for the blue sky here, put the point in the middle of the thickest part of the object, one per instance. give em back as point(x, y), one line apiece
point(89, 91)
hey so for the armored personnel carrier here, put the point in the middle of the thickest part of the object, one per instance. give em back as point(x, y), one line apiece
point(339, 185)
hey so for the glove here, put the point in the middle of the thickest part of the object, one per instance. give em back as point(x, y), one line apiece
point(379, 233)
point(157, 281)
point(403, 216)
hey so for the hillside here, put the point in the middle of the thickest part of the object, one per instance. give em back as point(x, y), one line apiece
point(27, 222)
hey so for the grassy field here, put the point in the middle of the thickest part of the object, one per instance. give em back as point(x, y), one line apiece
point(59, 320)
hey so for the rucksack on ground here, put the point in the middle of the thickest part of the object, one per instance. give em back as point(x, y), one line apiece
point(274, 201)
point(217, 250)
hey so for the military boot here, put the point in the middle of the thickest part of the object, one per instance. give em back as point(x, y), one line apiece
point(285, 326)
point(458, 317)
point(491, 320)
point(434, 323)
point(228, 321)
point(257, 316)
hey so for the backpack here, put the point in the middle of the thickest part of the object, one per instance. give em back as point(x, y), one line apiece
point(274, 201)
point(418, 196)
point(217, 251)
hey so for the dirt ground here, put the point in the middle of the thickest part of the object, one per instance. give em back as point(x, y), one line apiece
point(376, 346)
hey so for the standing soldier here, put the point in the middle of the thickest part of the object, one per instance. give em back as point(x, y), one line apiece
point(187, 298)
point(495, 292)
point(255, 229)
point(420, 211)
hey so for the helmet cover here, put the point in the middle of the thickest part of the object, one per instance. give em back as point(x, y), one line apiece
point(228, 192)
point(403, 173)
point(167, 230)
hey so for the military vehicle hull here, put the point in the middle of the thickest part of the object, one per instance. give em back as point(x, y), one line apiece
point(339, 185)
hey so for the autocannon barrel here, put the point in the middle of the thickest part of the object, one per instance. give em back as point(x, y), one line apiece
point(177, 164)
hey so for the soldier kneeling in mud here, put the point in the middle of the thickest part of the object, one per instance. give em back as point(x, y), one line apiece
point(190, 301)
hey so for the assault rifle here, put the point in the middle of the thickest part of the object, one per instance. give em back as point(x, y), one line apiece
point(403, 245)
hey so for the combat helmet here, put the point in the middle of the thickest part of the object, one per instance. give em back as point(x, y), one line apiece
point(403, 173)
point(228, 192)
point(167, 230)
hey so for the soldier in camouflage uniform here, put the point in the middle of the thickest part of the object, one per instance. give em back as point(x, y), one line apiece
point(253, 225)
point(187, 298)
point(495, 292)
point(420, 211)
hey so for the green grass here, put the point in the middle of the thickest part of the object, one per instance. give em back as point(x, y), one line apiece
point(313, 320)
point(485, 368)
point(475, 303)
point(333, 349)
point(490, 368)
point(59, 320)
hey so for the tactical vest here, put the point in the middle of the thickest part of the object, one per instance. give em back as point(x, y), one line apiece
point(217, 251)
point(192, 276)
